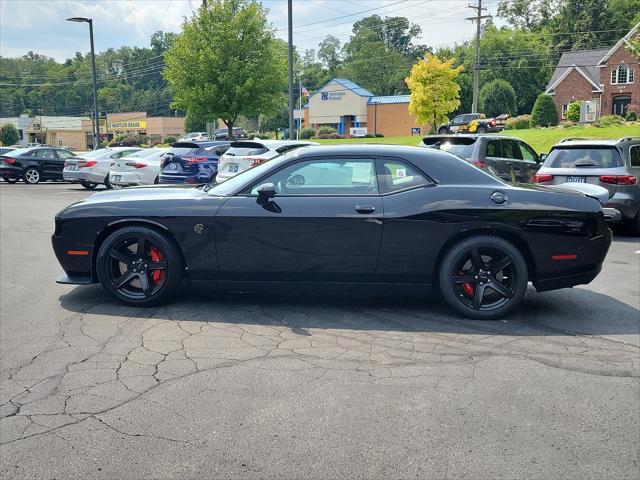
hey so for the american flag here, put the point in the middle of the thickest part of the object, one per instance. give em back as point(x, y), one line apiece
point(305, 92)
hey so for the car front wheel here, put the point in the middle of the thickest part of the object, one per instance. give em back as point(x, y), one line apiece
point(483, 277)
point(140, 266)
point(88, 185)
point(31, 176)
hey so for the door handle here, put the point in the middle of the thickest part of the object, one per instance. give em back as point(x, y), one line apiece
point(365, 208)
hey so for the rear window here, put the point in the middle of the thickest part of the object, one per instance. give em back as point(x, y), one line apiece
point(459, 146)
point(583, 157)
point(245, 151)
point(147, 152)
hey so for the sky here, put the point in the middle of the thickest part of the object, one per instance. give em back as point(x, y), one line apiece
point(40, 26)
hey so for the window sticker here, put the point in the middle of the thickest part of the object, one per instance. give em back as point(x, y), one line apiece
point(401, 172)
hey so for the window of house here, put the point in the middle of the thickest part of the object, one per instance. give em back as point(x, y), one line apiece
point(622, 74)
point(564, 110)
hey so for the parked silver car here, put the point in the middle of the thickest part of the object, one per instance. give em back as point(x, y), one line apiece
point(612, 164)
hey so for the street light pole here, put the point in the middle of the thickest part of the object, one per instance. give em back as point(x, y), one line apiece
point(290, 24)
point(95, 121)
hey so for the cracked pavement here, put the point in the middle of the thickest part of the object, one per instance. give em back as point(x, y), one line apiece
point(323, 385)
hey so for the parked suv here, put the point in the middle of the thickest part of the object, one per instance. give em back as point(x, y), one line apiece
point(506, 157)
point(33, 164)
point(223, 133)
point(190, 162)
point(612, 164)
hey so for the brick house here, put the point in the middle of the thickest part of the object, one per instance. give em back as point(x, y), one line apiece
point(602, 80)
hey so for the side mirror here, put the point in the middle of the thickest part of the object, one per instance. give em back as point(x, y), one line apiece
point(266, 190)
point(542, 157)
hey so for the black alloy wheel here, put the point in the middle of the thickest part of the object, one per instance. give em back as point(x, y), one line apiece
point(10, 179)
point(483, 277)
point(140, 266)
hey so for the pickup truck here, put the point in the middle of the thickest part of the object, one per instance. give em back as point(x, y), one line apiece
point(473, 123)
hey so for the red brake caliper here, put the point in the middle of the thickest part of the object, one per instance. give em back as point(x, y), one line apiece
point(156, 256)
point(469, 288)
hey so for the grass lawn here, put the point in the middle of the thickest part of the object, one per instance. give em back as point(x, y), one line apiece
point(541, 139)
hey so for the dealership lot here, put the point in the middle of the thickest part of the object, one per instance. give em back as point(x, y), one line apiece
point(323, 385)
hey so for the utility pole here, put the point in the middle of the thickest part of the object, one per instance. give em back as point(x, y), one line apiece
point(476, 71)
point(204, 4)
point(290, 25)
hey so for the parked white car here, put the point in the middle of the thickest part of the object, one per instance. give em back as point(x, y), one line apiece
point(138, 168)
point(92, 168)
point(246, 154)
point(195, 137)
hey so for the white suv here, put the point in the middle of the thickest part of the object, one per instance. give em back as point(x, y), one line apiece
point(92, 168)
point(195, 137)
point(246, 154)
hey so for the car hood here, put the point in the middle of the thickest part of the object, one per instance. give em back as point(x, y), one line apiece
point(151, 192)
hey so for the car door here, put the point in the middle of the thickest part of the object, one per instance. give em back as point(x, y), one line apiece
point(530, 161)
point(48, 161)
point(496, 161)
point(513, 158)
point(324, 224)
point(454, 126)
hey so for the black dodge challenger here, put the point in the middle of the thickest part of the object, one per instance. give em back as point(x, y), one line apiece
point(363, 214)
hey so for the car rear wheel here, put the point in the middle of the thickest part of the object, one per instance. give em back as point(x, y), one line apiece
point(88, 185)
point(140, 266)
point(482, 129)
point(10, 179)
point(443, 131)
point(31, 176)
point(483, 277)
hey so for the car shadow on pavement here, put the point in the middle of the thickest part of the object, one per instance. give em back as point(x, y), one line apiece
point(575, 311)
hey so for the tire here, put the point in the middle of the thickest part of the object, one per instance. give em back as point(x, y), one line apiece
point(443, 131)
point(107, 183)
point(88, 185)
point(157, 180)
point(634, 226)
point(31, 176)
point(482, 129)
point(129, 278)
point(468, 284)
point(10, 179)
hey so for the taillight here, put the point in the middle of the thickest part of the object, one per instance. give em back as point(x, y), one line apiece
point(480, 163)
point(493, 122)
point(9, 160)
point(257, 160)
point(87, 163)
point(197, 159)
point(136, 164)
point(619, 179)
point(544, 177)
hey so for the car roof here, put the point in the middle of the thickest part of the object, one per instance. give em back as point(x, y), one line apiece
point(271, 144)
point(604, 142)
point(472, 135)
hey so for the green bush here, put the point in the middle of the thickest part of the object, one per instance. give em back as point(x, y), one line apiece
point(324, 136)
point(307, 133)
point(326, 131)
point(9, 134)
point(379, 135)
point(573, 112)
point(609, 120)
point(566, 124)
point(632, 116)
point(168, 139)
point(498, 97)
point(544, 111)
point(103, 144)
point(521, 122)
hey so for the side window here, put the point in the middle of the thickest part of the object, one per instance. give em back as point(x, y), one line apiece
point(325, 177)
point(457, 119)
point(510, 150)
point(395, 175)
point(634, 154)
point(527, 153)
point(46, 153)
point(493, 148)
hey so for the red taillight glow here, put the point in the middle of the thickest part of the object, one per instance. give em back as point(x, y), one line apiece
point(86, 163)
point(569, 256)
point(136, 164)
point(197, 159)
point(493, 122)
point(480, 163)
point(257, 160)
point(619, 179)
point(545, 177)
point(9, 160)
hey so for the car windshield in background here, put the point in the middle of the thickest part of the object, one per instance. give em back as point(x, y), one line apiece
point(583, 157)
point(245, 151)
point(459, 146)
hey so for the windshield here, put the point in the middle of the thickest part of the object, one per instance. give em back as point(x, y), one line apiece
point(459, 146)
point(96, 153)
point(147, 152)
point(18, 152)
point(245, 151)
point(583, 157)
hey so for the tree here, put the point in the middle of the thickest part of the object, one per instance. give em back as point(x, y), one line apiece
point(633, 47)
point(434, 92)
point(226, 63)
point(194, 123)
point(573, 112)
point(528, 14)
point(276, 121)
point(329, 54)
point(544, 111)
point(9, 134)
point(498, 97)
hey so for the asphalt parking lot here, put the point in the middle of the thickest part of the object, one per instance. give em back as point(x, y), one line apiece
point(331, 385)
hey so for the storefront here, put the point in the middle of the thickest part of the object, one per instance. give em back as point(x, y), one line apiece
point(136, 124)
point(355, 111)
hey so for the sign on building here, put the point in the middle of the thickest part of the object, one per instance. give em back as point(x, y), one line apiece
point(358, 131)
point(415, 131)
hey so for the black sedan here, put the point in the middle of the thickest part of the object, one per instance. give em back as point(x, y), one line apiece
point(33, 164)
point(340, 214)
